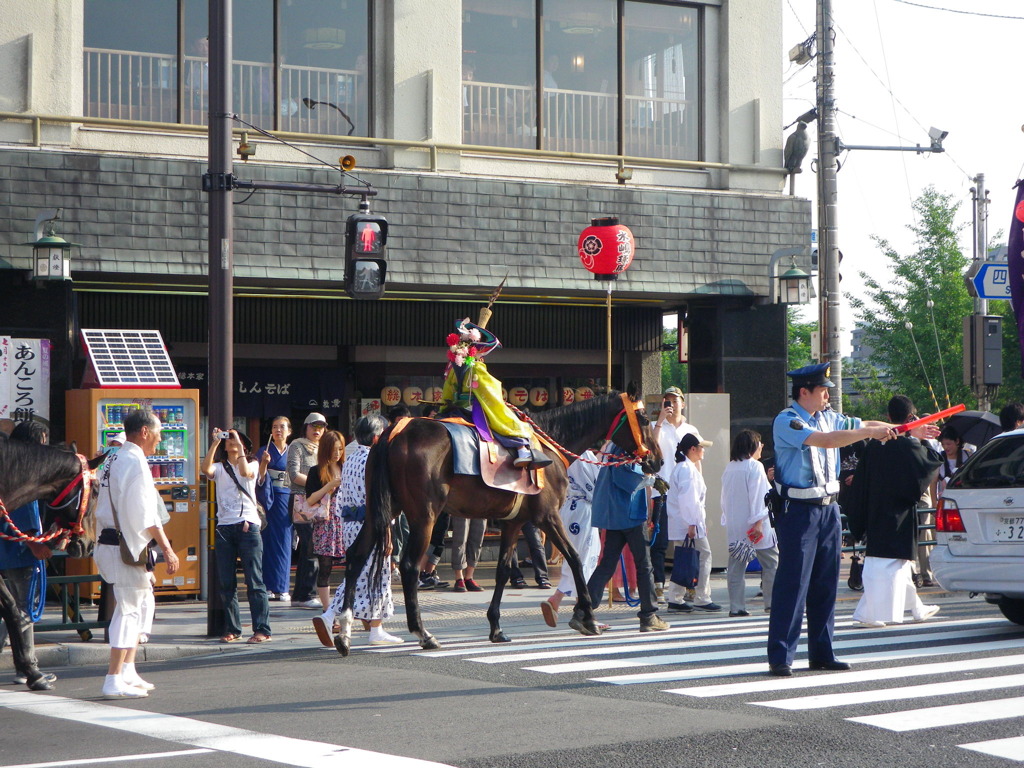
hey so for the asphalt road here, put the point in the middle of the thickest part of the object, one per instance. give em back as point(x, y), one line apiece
point(697, 695)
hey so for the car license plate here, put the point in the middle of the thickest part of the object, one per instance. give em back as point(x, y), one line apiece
point(1008, 528)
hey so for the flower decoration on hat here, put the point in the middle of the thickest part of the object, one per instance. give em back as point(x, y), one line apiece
point(469, 342)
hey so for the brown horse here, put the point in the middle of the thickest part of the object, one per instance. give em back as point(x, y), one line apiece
point(411, 472)
point(31, 472)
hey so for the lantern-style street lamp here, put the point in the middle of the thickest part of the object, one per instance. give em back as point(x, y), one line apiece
point(606, 249)
point(794, 286)
point(51, 253)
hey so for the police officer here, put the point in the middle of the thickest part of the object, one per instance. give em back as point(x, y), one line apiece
point(807, 436)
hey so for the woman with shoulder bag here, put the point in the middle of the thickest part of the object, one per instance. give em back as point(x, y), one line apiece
point(322, 482)
point(229, 465)
point(301, 459)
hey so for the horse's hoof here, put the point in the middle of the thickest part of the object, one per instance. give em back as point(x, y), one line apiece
point(343, 644)
point(500, 637)
point(584, 628)
point(429, 643)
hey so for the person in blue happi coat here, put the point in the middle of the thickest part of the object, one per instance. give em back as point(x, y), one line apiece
point(808, 436)
point(619, 508)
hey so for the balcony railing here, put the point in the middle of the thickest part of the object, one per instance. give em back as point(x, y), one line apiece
point(129, 85)
point(578, 121)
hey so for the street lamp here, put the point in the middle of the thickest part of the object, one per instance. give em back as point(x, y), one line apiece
point(51, 253)
point(794, 286)
point(312, 104)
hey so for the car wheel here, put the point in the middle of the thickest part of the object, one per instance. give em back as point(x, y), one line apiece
point(1013, 609)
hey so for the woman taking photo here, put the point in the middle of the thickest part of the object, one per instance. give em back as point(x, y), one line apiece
point(274, 493)
point(301, 458)
point(322, 482)
point(745, 517)
point(238, 534)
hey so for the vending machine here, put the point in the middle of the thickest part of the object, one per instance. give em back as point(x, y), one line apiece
point(96, 415)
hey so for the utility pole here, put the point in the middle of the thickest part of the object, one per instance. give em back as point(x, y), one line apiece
point(828, 209)
point(221, 259)
point(980, 256)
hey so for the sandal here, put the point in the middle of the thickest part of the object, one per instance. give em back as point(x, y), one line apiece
point(258, 638)
point(550, 614)
point(229, 638)
point(518, 584)
point(543, 583)
point(321, 632)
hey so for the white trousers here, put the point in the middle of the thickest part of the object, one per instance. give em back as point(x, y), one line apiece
point(702, 592)
point(127, 621)
point(888, 591)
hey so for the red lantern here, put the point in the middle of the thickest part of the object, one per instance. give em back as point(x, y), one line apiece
point(606, 248)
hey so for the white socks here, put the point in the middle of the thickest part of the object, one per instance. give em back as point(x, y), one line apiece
point(378, 636)
point(131, 677)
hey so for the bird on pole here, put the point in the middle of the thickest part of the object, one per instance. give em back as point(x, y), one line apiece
point(796, 149)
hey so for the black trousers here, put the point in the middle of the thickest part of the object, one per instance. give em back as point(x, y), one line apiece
point(659, 541)
point(614, 542)
point(537, 554)
point(307, 564)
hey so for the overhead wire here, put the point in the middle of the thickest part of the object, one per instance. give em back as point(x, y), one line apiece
point(956, 10)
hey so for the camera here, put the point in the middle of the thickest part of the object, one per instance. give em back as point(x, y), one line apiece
point(223, 435)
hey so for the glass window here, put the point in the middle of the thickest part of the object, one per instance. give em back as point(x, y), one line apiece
point(997, 464)
point(324, 58)
point(323, 45)
point(579, 82)
point(662, 82)
point(138, 81)
point(499, 73)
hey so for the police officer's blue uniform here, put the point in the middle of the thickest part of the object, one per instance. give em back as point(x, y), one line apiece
point(809, 531)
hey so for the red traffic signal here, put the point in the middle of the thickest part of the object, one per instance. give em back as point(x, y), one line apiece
point(366, 238)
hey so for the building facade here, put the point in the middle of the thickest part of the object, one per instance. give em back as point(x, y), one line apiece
point(493, 132)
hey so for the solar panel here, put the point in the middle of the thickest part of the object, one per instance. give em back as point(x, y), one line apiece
point(125, 358)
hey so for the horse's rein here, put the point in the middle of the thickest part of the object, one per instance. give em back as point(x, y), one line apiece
point(633, 459)
point(85, 477)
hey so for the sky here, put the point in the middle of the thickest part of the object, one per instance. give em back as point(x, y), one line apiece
point(901, 68)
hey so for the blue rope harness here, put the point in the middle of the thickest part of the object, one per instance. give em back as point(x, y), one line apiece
point(625, 584)
point(36, 592)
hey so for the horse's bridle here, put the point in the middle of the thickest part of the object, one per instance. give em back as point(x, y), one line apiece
point(628, 416)
point(85, 478)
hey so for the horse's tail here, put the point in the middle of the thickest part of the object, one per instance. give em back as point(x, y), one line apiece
point(380, 506)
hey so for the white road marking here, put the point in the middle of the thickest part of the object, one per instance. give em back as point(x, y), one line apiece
point(1011, 749)
point(749, 669)
point(745, 653)
point(196, 733)
point(117, 759)
point(824, 701)
point(952, 714)
point(847, 678)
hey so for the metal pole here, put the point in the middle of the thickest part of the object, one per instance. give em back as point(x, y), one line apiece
point(980, 255)
point(608, 313)
point(221, 252)
point(828, 208)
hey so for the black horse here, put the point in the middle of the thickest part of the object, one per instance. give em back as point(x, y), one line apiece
point(411, 471)
point(31, 472)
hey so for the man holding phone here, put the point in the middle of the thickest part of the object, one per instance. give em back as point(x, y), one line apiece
point(668, 431)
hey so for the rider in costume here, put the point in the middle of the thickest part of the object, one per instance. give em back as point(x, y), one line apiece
point(470, 387)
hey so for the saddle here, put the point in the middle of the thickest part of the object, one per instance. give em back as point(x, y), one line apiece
point(489, 461)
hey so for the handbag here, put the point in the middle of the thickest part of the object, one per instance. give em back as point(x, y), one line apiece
point(304, 512)
point(259, 507)
point(686, 565)
point(126, 554)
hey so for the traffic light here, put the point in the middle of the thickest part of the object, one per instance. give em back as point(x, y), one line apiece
point(366, 238)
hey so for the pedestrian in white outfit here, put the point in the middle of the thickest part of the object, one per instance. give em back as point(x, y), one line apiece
point(687, 519)
point(745, 517)
point(585, 539)
point(128, 502)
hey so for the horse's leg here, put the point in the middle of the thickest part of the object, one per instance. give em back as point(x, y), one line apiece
point(356, 558)
point(420, 529)
point(583, 614)
point(509, 532)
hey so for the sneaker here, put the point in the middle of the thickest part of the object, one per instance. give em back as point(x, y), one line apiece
point(680, 607)
point(734, 614)
point(472, 586)
point(653, 624)
point(431, 581)
point(48, 677)
point(378, 636)
point(872, 624)
point(659, 592)
point(460, 585)
point(927, 612)
point(115, 688)
point(280, 597)
point(709, 607)
point(313, 602)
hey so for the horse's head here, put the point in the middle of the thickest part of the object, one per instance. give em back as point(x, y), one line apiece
point(72, 509)
point(632, 431)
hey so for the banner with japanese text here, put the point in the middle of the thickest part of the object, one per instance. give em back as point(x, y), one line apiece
point(25, 370)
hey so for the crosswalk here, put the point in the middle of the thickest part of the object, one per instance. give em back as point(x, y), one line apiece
point(911, 672)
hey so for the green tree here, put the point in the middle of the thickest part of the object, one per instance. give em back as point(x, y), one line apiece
point(799, 339)
point(914, 316)
point(673, 373)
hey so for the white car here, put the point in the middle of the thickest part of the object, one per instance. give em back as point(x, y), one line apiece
point(979, 526)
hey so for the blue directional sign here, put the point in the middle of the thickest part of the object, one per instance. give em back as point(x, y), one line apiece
point(992, 280)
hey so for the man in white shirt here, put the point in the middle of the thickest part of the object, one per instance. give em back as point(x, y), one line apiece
point(129, 502)
point(668, 431)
